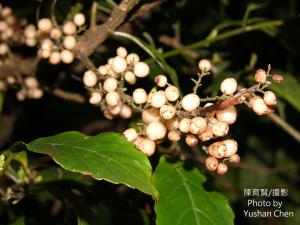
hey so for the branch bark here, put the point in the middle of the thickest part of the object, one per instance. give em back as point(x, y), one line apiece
point(96, 35)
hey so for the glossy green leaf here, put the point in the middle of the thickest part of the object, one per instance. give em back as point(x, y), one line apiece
point(289, 90)
point(183, 199)
point(107, 156)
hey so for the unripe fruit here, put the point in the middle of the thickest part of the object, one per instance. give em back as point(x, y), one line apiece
point(31, 82)
point(217, 150)
point(174, 135)
point(259, 106)
point(156, 131)
point(172, 124)
point(260, 76)
point(130, 77)
point(270, 98)
point(55, 33)
point(130, 134)
point(45, 25)
point(141, 69)
point(204, 65)
point(207, 135)
point(161, 80)
point(158, 99)
point(122, 52)
point(227, 115)
point(4, 49)
point(69, 28)
point(89, 78)
point(139, 96)
point(167, 111)
point(55, 57)
point(146, 145)
point(191, 140)
point(112, 98)
point(95, 98)
point(211, 163)
point(235, 158)
point(172, 93)
point(228, 86)
point(110, 84)
point(231, 147)
point(132, 59)
point(125, 112)
point(69, 42)
point(190, 102)
point(220, 128)
point(79, 19)
point(184, 125)
point(67, 56)
point(119, 64)
point(150, 115)
point(222, 168)
point(198, 125)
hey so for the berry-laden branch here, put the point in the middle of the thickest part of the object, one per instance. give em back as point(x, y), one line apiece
point(91, 39)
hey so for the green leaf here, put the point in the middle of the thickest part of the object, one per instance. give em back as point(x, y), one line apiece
point(183, 199)
point(154, 53)
point(19, 221)
point(107, 156)
point(289, 90)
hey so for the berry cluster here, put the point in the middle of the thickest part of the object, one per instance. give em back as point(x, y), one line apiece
point(10, 31)
point(106, 84)
point(56, 42)
point(166, 115)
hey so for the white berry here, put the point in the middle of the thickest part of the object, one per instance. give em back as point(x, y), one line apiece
point(184, 125)
point(259, 106)
point(229, 86)
point(110, 84)
point(227, 115)
point(130, 134)
point(190, 102)
point(204, 65)
point(119, 64)
point(122, 52)
point(95, 98)
point(141, 69)
point(161, 80)
point(67, 56)
point(132, 58)
point(172, 93)
point(126, 112)
point(90, 78)
point(198, 125)
point(231, 147)
point(139, 96)
point(79, 19)
point(130, 77)
point(167, 111)
point(69, 42)
point(156, 131)
point(45, 24)
point(112, 98)
point(69, 28)
point(270, 98)
point(158, 99)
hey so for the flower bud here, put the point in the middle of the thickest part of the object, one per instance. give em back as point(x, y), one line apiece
point(211, 163)
point(190, 102)
point(228, 86)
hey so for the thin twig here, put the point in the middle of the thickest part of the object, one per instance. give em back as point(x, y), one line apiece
point(285, 126)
